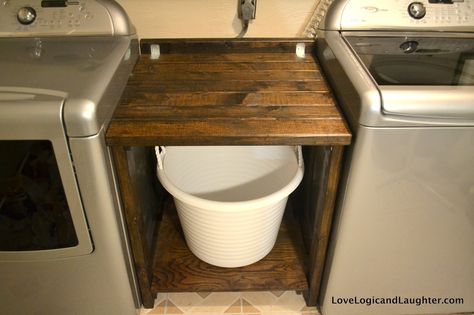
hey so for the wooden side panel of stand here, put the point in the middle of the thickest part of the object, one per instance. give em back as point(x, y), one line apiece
point(323, 166)
point(135, 225)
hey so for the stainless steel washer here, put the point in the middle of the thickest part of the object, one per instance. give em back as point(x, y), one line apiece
point(403, 237)
point(63, 249)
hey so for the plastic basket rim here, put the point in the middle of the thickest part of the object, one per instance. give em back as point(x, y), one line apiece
point(227, 206)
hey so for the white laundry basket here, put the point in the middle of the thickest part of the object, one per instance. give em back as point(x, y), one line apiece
point(230, 199)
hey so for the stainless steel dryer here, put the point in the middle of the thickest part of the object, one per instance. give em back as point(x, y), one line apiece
point(403, 237)
point(63, 66)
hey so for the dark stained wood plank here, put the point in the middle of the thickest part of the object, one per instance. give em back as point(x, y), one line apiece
point(228, 86)
point(190, 113)
point(297, 98)
point(220, 132)
point(140, 248)
point(322, 205)
point(241, 45)
point(177, 269)
point(261, 75)
point(233, 57)
point(156, 66)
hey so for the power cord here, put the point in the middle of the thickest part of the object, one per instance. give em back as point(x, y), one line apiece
point(245, 27)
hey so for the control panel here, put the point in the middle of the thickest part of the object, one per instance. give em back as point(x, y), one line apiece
point(20, 18)
point(441, 15)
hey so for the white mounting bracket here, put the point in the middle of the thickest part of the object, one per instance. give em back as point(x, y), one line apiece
point(300, 50)
point(154, 52)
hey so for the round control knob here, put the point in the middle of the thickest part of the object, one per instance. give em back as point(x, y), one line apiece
point(409, 47)
point(417, 10)
point(26, 15)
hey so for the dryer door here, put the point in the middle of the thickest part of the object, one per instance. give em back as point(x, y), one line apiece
point(41, 214)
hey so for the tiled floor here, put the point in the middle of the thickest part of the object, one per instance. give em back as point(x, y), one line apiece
point(231, 303)
point(234, 303)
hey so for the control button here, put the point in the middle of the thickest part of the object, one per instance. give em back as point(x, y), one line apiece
point(417, 10)
point(370, 9)
point(409, 47)
point(26, 15)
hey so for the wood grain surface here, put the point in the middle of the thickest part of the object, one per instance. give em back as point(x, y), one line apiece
point(202, 92)
point(319, 187)
point(240, 45)
point(177, 269)
point(135, 226)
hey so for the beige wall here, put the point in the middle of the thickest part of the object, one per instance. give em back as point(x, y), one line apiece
point(217, 18)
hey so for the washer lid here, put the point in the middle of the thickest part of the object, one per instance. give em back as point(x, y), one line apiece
point(408, 60)
point(428, 77)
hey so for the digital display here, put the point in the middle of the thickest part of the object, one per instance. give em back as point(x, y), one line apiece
point(54, 3)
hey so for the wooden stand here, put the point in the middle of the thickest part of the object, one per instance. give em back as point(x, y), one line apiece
point(227, 92)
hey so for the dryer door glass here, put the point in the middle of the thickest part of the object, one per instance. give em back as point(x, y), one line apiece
point(416, 60)
point(34, 213)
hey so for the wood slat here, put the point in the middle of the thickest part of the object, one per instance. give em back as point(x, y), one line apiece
point(150, 113)
point(132, 98)
point(230, 76)
point(241, 45)
point(232, 57)
point(228, 86)
point(177, 269)
point(145, 65)
point(228, 131)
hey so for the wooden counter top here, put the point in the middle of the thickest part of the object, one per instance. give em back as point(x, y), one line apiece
point(232, 91)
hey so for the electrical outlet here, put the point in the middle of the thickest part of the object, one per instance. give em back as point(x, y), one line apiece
point(247, 9)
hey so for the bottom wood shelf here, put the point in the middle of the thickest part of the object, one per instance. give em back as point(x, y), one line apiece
point(177, 269)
